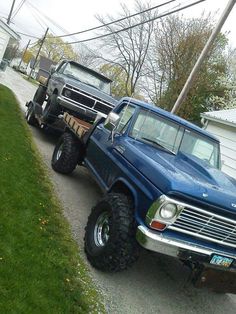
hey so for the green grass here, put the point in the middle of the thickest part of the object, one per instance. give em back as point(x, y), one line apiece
point(40, 267)
point(30, 79)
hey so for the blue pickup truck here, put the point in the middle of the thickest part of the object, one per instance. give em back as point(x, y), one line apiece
point(164, 191)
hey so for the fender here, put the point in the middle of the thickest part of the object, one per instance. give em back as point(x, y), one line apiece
point(126, 184)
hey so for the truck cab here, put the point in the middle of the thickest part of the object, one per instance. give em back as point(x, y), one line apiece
point(74, 88)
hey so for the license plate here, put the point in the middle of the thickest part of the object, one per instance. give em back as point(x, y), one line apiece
point(221, 260)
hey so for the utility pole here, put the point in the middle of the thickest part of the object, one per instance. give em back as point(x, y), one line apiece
point(9, 16)
point(202, 56)
point(40, 47)
point(24, 53)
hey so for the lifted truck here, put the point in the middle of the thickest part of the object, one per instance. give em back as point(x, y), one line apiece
point(164, 191)
point(71, 87)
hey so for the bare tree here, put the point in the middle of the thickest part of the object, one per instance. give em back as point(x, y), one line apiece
point(128, 49)
point(86, 56)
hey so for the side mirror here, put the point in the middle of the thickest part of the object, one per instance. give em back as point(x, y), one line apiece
point(52, 69)
point(111, 121)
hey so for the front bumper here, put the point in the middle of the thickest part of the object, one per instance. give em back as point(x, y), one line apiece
point(156, 242)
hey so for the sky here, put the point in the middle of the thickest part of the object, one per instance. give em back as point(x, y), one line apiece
point(75, 15)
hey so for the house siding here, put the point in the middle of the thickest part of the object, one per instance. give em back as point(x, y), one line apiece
point(4, 39)
point(227, 136)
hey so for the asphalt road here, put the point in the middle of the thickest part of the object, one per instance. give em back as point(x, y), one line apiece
point(156, 283)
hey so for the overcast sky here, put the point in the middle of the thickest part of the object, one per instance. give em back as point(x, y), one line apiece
point(75, 15)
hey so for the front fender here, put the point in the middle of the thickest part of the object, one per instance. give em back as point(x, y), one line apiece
point(122, 181)
point(143, 197)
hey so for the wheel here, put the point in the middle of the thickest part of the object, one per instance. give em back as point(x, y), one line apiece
point(40, 95)
point(109, 242)
point(67, 154)
point(51, 109)
point(29, 115)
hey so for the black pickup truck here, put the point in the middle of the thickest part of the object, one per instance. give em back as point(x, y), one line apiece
point(74, 88)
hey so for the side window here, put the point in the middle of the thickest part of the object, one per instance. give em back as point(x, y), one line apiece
point(200, 147)
point(125, 116)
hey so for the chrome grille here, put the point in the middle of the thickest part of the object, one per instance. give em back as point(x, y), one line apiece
point(203, 224)
point(87, 101)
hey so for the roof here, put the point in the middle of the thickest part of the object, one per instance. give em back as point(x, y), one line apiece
point(171, 116)
point(227, 117)
point(91, 71)
point(9, 30)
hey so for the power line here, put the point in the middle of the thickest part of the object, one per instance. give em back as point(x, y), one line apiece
point(10, 13)
point(50, 20)
point(18, 8)
point(27, 35)
point(116, 21)
point(35, 43)
point(37, 18)
point(135, 25)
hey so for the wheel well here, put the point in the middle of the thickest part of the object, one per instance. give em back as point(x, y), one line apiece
point(120, 187)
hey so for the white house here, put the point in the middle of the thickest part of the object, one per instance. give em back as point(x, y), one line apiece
point(6, 33)
point(222, 124)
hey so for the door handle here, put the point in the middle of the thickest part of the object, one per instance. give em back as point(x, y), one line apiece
point(119, 148)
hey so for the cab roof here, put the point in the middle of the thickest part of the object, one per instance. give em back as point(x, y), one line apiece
point(95, 73)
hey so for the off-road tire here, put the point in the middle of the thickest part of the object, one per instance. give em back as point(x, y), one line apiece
point(67, 154)
point(40, 95)
point(51, 108)
point(29, 115)
point(121, 249)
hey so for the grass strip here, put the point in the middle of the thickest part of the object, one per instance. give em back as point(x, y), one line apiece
point(40, 267)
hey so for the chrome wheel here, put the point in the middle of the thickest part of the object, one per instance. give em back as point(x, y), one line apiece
point(59, 152)
point(29, 115)
point(101, 230)
point(26, 113)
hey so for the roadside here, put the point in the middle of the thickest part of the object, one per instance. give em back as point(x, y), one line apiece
point(14, 81)
point(40, 268)
point(156, 284)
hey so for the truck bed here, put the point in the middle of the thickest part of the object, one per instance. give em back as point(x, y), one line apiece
point(76, 125)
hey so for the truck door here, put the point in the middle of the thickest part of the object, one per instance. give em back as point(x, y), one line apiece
point(101, 157)
point(53, 81)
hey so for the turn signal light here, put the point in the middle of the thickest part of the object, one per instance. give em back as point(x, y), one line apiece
point(158, 225)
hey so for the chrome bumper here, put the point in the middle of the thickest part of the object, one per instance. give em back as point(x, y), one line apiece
point(153, 241)
point(77, 107)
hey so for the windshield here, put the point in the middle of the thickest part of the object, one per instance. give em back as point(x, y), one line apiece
point(87, 77)
point(160, 132)
point(151, 128)
point(203, 148)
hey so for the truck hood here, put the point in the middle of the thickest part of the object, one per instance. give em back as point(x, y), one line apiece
point(183, 175)
point(93, 91)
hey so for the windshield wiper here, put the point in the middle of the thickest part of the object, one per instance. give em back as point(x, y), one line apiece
point(157, 144)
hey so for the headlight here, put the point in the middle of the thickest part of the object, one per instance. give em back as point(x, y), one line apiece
point(168, 211)
point(67, 93)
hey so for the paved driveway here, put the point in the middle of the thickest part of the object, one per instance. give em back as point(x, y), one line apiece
point(23, 89)
point(156, 284)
